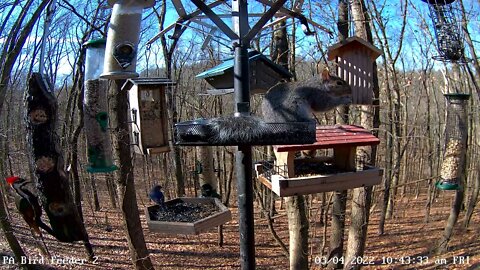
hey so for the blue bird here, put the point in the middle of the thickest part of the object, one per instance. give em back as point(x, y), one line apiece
point(156, 195)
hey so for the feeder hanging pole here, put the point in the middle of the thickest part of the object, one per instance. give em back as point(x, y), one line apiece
point(46, 32)
point(243, 155)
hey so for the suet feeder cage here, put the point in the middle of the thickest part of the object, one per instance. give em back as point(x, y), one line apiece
point(95, 110)
point(354, 58)
point(264, 74)
point(122, 38)
point(148, 114)
point(456, 132)
point(291, 176)
point(448, 31)
point(187, 216)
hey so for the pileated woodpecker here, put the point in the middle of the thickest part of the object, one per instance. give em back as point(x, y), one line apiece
point(27, 204)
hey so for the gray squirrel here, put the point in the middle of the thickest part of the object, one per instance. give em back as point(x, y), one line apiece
point(286, 102)
point(295, 101)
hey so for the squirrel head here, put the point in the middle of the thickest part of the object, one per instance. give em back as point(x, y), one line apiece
point(335, 85)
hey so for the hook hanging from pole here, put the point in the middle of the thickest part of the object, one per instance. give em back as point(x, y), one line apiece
point(46, 32)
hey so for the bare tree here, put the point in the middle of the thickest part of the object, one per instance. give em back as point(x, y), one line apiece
point(370, 119)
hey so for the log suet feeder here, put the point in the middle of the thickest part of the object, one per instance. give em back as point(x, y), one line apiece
point(148, 112)
point(354, 58)
point(456, 133)
point(95, 110)
point(123, 37)
point(338, 172)
point(51, 179)
point(264, 74)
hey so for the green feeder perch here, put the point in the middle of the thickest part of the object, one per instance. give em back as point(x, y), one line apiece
point(446, 185)
point(102, 120)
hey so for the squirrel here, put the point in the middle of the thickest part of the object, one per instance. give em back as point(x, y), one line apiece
point(287, 102)
point(295, 101)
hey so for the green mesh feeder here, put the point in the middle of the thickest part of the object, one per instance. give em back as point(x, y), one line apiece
point(456, 132)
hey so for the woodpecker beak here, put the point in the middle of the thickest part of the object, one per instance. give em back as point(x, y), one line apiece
point(12, 179)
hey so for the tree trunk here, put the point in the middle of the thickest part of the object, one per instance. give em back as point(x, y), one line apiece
point(298, 232)
point(112, 192)
point(370, 119)
point(338, 227)
point(125, 178)
point(93, 185)
point(339, 197)
point(452, 220)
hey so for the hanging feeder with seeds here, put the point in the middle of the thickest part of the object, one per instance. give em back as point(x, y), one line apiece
point(95, 110)
point(448, 31)
point(456, 132)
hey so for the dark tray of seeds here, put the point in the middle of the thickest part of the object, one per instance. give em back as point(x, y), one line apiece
point(243, 130)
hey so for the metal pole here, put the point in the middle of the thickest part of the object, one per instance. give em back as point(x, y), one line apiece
point(46, 32)
point(243, 155)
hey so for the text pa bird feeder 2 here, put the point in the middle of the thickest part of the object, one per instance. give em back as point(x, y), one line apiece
point(290, 176)
point(148, 111)
point(99, 146)
point(456, 132)
point(122, 38)
point(354, 58)
point(264, 74)
point(187, 216)
point(448, 30)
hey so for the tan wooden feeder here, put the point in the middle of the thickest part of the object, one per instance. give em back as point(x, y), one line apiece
point(343, 139)
point(217, 218)
point(147, 104)
point(354, 58)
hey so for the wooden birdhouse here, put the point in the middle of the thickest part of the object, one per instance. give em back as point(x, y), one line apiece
point(264, 74)
point(354, 58)
point(148, 114)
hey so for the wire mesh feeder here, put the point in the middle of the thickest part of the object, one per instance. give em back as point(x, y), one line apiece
point(448, 31)
point(456, 132)
point(243, 130)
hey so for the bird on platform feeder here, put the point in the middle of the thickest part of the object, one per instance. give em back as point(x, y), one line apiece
point(156, 195)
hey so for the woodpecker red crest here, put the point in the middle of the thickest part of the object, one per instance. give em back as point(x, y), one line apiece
point(12, 179)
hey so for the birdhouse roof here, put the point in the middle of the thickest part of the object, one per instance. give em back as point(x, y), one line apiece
point(351, 44)
point(147, 81)
point(253, 56)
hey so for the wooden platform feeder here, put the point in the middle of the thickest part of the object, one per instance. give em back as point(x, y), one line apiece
point(264, 74)
point(354, 58)
point(344, 140)
point(217, 218)
point(148, 110)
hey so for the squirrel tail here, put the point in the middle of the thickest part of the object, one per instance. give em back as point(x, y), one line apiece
point(238, 129)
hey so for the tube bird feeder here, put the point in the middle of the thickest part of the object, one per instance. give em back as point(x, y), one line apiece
point(95, 110)
point(122, 38)
point(456, 132)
